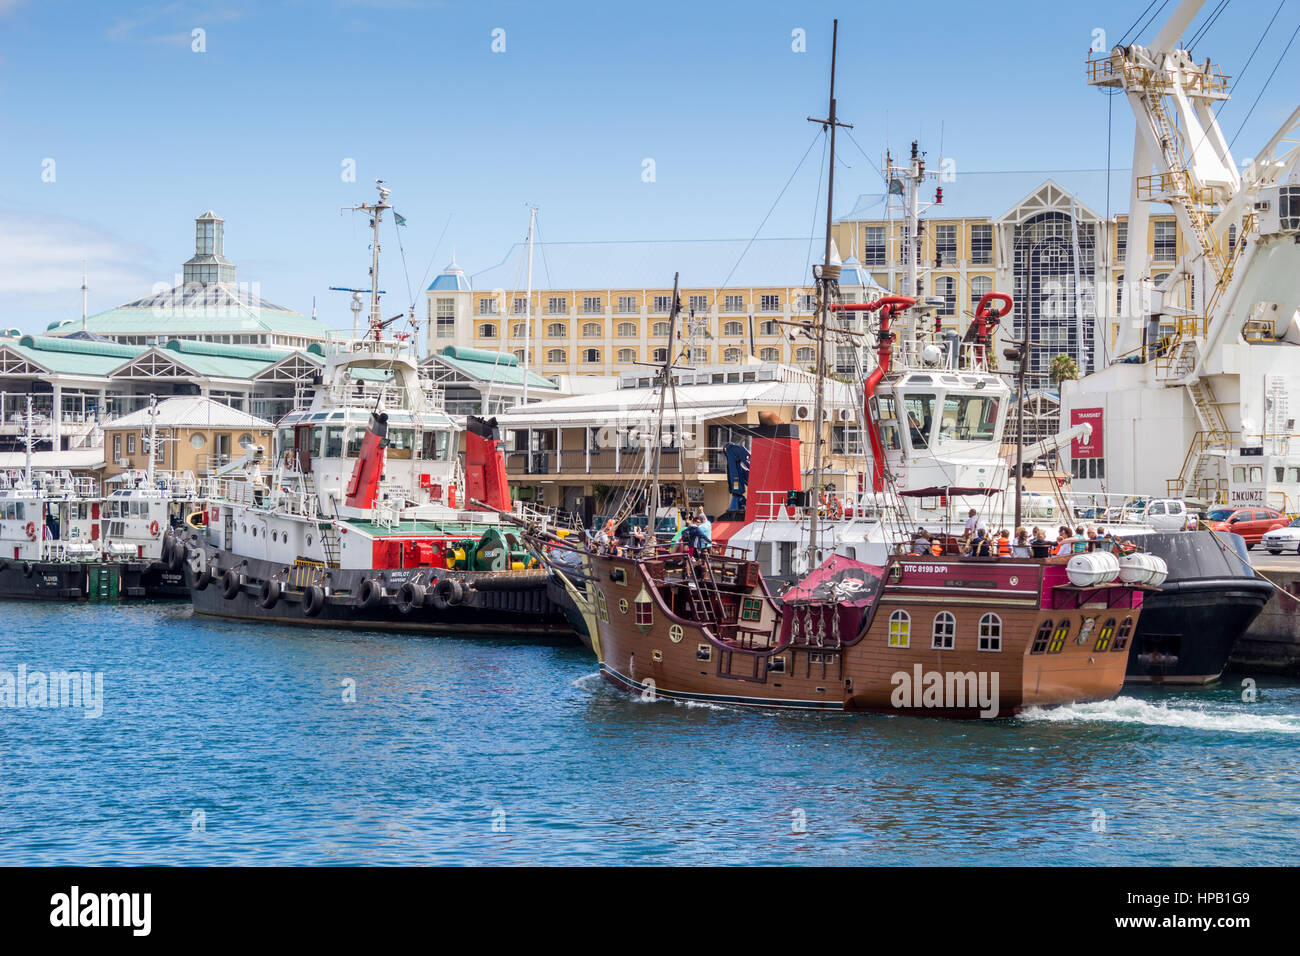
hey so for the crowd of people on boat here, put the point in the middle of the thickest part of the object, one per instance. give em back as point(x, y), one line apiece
point(694, 537)
point(978, 542)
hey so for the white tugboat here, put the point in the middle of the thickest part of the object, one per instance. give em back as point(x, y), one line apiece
point(360, 515)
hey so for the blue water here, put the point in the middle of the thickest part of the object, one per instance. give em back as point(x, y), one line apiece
point(220, 743)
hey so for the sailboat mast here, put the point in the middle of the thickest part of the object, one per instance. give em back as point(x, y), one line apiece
point(665, 382)
point(827, 280)
point(528, 302)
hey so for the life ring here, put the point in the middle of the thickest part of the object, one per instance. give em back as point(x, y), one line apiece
point(835, 508)
point(269, 593)
point(313, 599)
point(229, 584)
point(153, 529)
point(288, 459)
point(448, 592)
point(370, 593)
point(31, 530)
point(410, 596)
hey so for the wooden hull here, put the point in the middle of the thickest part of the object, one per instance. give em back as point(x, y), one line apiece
point(1012, 641)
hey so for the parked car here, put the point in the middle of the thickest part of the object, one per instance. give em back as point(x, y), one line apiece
point(1283, 539)
point(1169, 514)
point(1251, 523)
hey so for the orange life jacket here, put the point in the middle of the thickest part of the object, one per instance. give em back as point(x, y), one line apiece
point(1004, 547)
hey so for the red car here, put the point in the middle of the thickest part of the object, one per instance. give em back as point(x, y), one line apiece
point(1251, 523)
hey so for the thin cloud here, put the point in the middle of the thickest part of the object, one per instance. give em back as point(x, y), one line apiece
point(144, 29)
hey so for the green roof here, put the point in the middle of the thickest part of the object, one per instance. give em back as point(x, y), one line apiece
point(256, 353)
point(494, 367)
point(418, 527)
point(196, 309)
point(73, 356)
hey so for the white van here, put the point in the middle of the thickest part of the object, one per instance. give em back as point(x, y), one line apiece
point(1169, 514)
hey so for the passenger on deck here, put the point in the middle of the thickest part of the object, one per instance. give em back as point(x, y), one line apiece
point(921, 542)
point(980, 547)
point(1021, 549)
point(691, 536)
point(706, 531)
point(1004, 543)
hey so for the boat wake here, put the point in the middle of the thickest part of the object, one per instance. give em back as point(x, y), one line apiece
point(1130, 710)
point(596, 684)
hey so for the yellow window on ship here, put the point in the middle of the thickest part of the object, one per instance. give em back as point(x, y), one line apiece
point(900, 629)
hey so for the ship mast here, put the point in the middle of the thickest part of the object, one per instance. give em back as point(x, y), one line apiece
point(376, 212)
point(528, 302)
point(665, 382)
point(828, 282)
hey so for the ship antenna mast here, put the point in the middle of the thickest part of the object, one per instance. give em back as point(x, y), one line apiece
point(828, 284)
point(376, 212)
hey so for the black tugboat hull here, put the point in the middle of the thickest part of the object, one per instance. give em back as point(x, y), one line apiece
point(494, 605)
point(89, 581)
point(1188, 628)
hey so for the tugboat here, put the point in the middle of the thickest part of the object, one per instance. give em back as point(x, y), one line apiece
point(360, 516)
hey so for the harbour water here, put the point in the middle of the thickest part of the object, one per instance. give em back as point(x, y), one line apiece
point(225, 744)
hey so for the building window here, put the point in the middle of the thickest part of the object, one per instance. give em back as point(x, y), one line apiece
point(946, 286)
point(769, 328)
point(517, 330)
point(592, 305)
point(700, 356)
point(659, 330)
point(945, 245)
point(698, 303)
point(555, 356)
point(445, 318)
point(846, 440)
point(770, 354)
point(591, 356)
point(521, 306)
point(731, 356)
point(662, 303)
point(769, 303)
point(732, 328)
point(519, 354)
point(659, 355)
point(487, 306)
point(990, 633)
point(945, 632)
point(805, 353)
point(626, 356)
point(1121, 239)
point(627, 305)
point(1166, 240)
point(873, 246)
point(592, 330)
point(733, 303)
point(557, 330)
point(130, 444)
point(900, 629)
point(627, 330)
point(981, 245)
point(846, 359)
point(487, 330)
point(557, 305)
point(805, 303)
point(980, 286)
point(117, 448)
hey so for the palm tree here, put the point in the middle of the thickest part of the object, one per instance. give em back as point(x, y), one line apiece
point(1062, 368)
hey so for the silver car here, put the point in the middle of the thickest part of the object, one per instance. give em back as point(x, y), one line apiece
point(1283, 539)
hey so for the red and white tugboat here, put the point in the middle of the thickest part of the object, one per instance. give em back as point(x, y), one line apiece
point(360, 515)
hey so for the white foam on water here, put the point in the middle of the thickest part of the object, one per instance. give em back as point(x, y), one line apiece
point(1130, 710)
point(587, 682)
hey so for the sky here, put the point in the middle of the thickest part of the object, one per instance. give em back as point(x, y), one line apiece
point(119, 124)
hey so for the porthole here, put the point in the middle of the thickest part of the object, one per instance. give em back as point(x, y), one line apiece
point(675, 633)
point(622, 605)
point(309, 542)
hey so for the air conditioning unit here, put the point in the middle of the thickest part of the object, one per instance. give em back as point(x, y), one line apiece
point(803, 413)
point(124, 462)
point(844, 415)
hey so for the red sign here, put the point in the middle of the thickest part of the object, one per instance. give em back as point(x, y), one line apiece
point(1091, 446)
